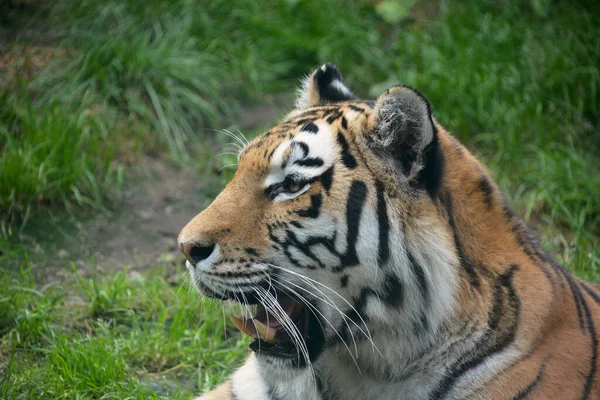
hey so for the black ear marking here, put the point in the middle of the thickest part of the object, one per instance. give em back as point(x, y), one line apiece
point(404, 132)
point(329, 85)
point(322, 87)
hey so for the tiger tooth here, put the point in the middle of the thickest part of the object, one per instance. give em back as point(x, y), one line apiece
point(265, 331)
point(243, 326)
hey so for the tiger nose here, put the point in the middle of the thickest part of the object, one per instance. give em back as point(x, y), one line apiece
point(196, 252)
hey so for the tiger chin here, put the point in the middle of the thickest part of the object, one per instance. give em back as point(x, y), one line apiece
point(382, 262)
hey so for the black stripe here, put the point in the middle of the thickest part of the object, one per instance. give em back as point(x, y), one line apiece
point(344, 281)
point(356, 202)
point(344, 123)
point(465, 261)
point(527, 390)
point(328, 243)
point(589, 322)
point(233, 274)
point(488, 191)
point(393, 291)
point(300, 121)
point(326, 179)
point(355, 314)
point(347, 157)
point(503, 321)
point(384, 224)
point(591, 292)
point(303, 146)
point(575, 292)
point(589, 379)
point(356, 108)
point(304, 248)
point(310, 127)
point(358, 307)
point(585, 318)
point(419, 272)
point(526, 239)
point(310, 162)
point(334, 116)
point(315, 206)
point(550, 278)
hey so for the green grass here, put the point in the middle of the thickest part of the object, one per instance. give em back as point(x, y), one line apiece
point(120, 336)
point(52, 153)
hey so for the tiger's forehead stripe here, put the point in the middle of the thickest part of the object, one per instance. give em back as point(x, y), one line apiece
point(307, 155)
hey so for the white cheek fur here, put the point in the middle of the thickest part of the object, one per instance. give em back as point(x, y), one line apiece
point(321, 145)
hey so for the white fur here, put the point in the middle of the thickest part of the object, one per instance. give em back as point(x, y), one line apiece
point(303, 93)
point(320, 144)
point(247, 382)
point(340, 86)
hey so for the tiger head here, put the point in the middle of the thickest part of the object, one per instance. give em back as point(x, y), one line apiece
point(330, 225)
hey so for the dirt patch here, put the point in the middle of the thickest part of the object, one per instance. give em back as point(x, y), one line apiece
point(140, 233)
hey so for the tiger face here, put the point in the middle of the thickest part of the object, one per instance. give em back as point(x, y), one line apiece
point(304, 231)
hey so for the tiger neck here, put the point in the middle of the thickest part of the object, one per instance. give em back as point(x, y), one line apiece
point(467, 251)
point(490, 240)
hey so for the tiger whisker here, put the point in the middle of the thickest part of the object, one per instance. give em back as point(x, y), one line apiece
point(344, 316)
point(230, 134)
point(307, 303)
point(185, 277)
point(243, 141)
point(224, 319)
point(286, 322)
point(227, 153)
point(274, 307)
point(309, 280)
point(268, 304)
point(226, 166)
point(270, 288)
point(247, 308)
point(243, 136)
point(235, 146)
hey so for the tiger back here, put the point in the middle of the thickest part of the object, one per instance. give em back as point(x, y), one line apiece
point(382, 262)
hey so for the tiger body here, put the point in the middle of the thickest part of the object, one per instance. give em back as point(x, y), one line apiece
point(420, 281)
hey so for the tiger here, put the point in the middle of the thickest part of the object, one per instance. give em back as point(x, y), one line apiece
point(381, 261)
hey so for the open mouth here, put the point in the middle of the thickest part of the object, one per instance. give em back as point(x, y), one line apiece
point(287, 329)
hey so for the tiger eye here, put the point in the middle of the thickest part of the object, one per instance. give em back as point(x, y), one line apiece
point(293, 187)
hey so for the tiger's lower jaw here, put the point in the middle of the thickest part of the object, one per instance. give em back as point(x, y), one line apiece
point(288, 330)
point(297, 353)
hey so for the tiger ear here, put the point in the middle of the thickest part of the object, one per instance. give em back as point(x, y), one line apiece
point(404, 134)
point(323, 86)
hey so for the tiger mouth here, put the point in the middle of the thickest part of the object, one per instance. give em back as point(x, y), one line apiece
point(281, 330)
point(266, 325)
point(286, 328)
